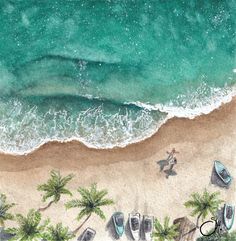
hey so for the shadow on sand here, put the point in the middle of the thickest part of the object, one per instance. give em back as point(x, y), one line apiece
point(111, 230)
point(220, 218)
point(80, 236)
point(170, 173)
point(216, 180)
point(5, 236)
point(127, 231)
point(162, 164)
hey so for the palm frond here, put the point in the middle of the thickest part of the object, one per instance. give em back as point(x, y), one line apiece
point(203, 204)
point(4, 208)
point(73, 204)
point(58, 233)
point(29, 227)
point(55, 186)
point(166, 231)
point(100, 213)
point(91, 200)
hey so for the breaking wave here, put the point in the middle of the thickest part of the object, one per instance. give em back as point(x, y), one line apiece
point(25, 127)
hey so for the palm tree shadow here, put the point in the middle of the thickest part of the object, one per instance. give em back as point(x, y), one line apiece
point(142, 234)
point(170, 172)
point(162, 164)
point(5, 236)
point(111, 229)
point(80, 236)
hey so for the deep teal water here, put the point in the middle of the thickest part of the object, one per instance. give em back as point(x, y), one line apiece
point(109, 73)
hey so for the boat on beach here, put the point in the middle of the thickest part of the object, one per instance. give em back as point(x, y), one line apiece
point(148, 227)
point(134, 224)
point(222, 172)
point(118, 220)
point(229, 212)
point(88, 235)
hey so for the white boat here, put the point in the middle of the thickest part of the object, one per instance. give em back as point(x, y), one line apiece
point(134, 224)
point(88, 235)
point(148, 222)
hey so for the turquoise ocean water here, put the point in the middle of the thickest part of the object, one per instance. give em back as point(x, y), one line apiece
point(110, 72)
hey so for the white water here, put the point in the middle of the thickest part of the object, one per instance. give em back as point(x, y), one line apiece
point(30, 132)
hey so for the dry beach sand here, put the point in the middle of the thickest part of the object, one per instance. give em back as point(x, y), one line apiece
point(131, 175)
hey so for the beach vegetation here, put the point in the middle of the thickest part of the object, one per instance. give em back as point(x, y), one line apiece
point(54, 188)
point(57, 233)
point(165, 232)
point(90, 203)
point(29, 227)
point(203, 205)
point(4, 210)
point(216, 237)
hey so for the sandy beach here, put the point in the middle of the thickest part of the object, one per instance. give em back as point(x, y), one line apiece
point(131, 175)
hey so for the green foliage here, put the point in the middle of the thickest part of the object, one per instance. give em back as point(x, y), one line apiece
point(91, 202)
point(4, 207)
point(58, 233)
point(165, 232)
point(29, 227)
point(217, 237)
point(205, 204)
point(55, 186)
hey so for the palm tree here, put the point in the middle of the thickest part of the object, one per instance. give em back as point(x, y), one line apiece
point(54, 188)
point(91, 202)
point(203, 205)
point(165, 232)
point(4, 207)
point(58, 233)
point(29, 227)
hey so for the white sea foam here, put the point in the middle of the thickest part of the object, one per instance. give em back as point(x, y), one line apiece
point(23, 130)
point(191, 105)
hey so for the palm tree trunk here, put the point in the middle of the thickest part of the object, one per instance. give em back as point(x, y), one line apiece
point(198, 218)
point(197, 225)
point(77, 229)
point(44, 208)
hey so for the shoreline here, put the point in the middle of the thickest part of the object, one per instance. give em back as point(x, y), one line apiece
point(131, 174)
point(204, 111)
point(230, 99)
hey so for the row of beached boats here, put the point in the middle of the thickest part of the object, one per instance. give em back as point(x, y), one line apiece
point(226, 178)
point(136, 224)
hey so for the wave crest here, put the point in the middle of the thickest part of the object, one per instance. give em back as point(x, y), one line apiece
point(24, 128)
point(103, 125)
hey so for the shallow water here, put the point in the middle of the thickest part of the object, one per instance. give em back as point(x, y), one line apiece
point(109, 73)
